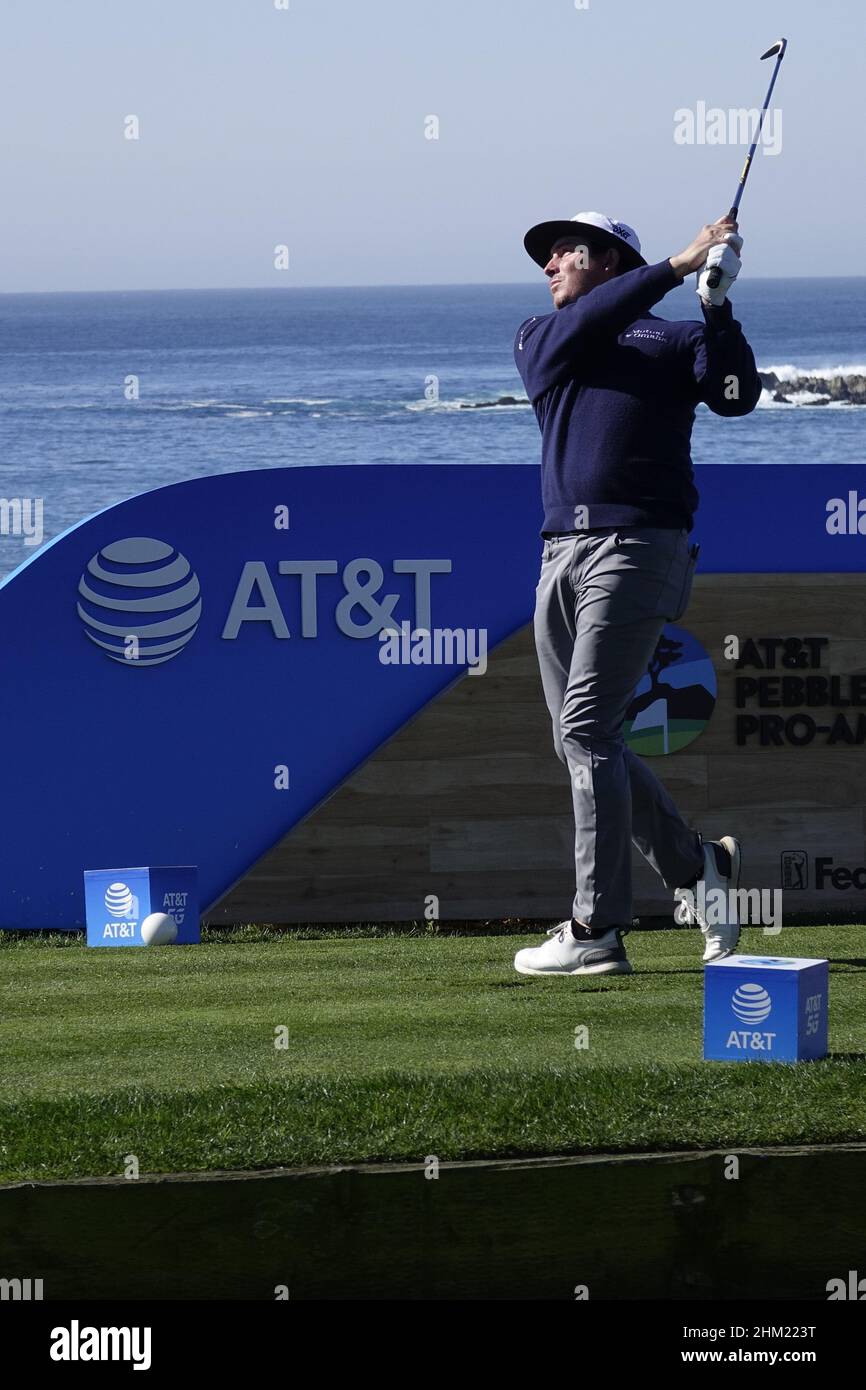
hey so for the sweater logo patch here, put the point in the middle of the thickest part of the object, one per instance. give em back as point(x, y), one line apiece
point(654, 335)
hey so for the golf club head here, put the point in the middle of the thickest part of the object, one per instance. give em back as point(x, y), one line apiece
point(778, 47)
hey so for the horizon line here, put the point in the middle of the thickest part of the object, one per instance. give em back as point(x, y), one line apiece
point(379, 285)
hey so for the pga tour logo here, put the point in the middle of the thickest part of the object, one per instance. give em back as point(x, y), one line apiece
point(751, 1004)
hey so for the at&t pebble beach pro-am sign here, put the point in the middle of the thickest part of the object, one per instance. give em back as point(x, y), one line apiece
point(189, 673)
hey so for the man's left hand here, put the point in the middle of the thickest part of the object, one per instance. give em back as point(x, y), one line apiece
point(727, 260)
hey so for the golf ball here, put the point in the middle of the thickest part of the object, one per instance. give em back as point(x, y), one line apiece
point(159, 929)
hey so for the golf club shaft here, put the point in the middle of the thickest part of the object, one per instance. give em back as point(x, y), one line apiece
point(715, 274)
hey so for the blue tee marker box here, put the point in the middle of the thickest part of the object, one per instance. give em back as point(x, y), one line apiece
point(765, 1009)
point(118, 900)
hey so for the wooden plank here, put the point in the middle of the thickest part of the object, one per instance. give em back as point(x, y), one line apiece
point(533, 843)
point(381, 897)
point(785, 776)
point(779, 605)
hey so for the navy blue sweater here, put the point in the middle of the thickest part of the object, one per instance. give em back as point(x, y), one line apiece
point(614, 389)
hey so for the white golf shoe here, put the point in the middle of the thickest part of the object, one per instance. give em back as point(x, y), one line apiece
point(710, 903)
point(562, 955)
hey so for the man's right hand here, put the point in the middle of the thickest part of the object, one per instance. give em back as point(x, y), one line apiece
point(695, 255)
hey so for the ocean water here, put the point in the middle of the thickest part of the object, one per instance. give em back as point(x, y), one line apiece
point(234, 379)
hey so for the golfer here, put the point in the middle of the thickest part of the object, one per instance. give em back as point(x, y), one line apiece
point(614, 389)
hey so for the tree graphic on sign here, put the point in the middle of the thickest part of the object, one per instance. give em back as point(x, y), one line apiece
point(667, 652)
point(669, 712)
point(651, 708)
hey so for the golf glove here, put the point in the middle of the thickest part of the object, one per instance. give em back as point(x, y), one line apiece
point(728, 261)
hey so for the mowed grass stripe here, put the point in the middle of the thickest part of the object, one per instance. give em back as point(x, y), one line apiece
point(397, 1048)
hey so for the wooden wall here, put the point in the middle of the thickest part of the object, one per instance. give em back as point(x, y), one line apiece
point(468, 802)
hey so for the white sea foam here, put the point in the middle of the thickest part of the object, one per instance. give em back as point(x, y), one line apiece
point(789, 372)
point(461, 402)
point(804, 400)
point(193, 405)
point(807, 397)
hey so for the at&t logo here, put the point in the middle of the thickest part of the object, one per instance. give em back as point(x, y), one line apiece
point(120, 901)
point(140, 601)
point(751, 1004)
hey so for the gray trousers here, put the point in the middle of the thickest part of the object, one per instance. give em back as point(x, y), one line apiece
point(601, 604)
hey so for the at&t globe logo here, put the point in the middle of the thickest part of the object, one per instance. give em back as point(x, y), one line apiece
point(139, 600)
point(751, 1003)
point(121, 901)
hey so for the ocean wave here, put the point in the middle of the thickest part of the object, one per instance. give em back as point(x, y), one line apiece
point(190, 405)
point(433, 405)
point(768, 402)
point(465, 403)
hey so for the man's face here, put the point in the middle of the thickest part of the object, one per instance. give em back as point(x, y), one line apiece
point(575, 268)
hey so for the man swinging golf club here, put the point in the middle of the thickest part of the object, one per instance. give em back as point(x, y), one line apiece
point(614, 389)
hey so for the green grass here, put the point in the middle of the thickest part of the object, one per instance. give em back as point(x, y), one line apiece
point(399, 1046)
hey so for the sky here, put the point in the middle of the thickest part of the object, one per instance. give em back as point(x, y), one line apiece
point(304, 124)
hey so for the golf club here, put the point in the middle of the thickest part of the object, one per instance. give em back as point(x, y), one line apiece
point(778, 48)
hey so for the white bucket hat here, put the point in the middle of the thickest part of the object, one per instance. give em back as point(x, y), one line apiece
point(595, 226)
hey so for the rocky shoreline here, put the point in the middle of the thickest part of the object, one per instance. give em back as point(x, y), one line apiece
point(849, 389)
